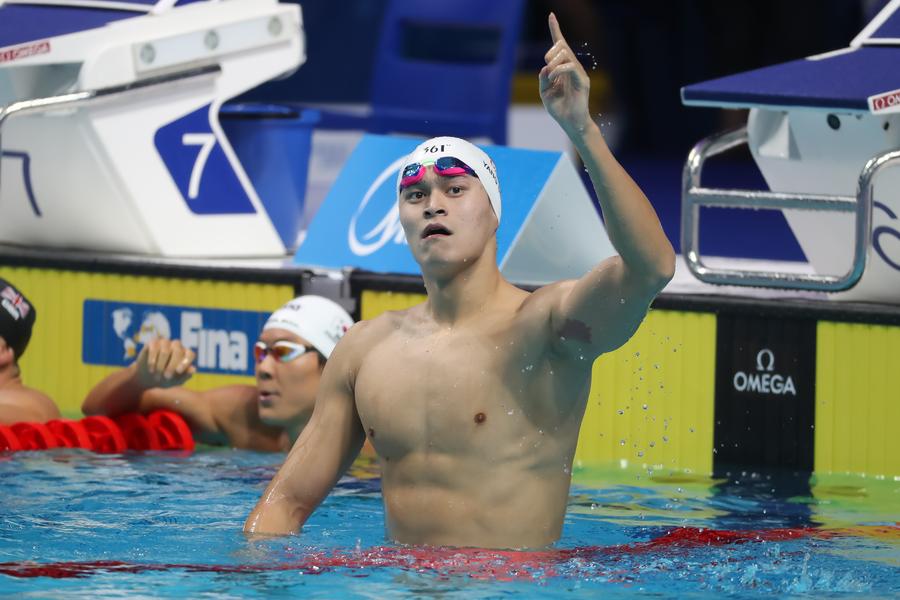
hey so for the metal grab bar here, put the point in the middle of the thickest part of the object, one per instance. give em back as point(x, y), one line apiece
point(693, 196)
point(88, 96)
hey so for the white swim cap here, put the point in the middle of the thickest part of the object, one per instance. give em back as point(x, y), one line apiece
point(320, 321)
point(467, 152)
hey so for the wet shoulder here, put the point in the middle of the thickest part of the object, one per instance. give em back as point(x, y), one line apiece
point(365, 335)
point(536, 309)
point(549, 295)
point(29, 404)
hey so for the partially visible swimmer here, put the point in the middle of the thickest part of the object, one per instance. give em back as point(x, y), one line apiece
point(293, 348)
point(473, 400)
point(17, 401)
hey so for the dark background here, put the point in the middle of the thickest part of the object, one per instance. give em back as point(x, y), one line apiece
point(639, 53)
point(647, 49)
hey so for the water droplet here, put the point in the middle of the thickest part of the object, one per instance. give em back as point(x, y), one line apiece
point(665, 439)
point(510, 412)
point(621, 442)
point(655, 365)
point(652, 444)
point(640, 453)
point(621, 300)
point(621, 412)
point(637, 353)
point(644, 406)
point(691, 430)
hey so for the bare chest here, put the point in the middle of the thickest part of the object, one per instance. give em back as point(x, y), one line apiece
point(445, 393)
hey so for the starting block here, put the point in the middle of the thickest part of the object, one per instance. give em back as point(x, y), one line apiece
point(824, 131)
point(109, 124)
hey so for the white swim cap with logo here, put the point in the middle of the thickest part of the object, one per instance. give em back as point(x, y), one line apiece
point(320, 321)
point(465, 151)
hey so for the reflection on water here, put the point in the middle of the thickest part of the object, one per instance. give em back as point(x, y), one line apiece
point(75, 523)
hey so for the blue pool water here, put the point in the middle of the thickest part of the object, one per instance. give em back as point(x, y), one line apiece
point(74, 523)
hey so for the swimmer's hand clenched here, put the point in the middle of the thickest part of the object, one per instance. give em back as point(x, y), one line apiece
point(564, 84)
point(164, 363)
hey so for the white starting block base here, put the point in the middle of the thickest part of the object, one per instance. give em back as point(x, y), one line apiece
point(799, 151)
point(140, 163)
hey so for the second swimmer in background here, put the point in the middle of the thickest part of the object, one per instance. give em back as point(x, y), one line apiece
point(293, 347)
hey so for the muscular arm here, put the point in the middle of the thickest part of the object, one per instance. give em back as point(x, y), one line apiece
point(153, 382)
point(322, 453)
point(600, 311)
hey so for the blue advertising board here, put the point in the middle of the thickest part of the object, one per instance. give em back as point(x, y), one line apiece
point(114, 333)
point(358, 224)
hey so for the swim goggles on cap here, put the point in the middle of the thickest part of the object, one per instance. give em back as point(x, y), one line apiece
point(445, 166)
point(283, 351)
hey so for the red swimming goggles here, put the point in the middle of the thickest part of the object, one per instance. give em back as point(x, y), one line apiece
point(445, 166)
point(283, 351)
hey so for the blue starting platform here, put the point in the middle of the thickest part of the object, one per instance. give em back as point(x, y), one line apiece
point(824, 132)
point(843, 80)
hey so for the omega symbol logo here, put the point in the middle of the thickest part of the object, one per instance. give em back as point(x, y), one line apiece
point(765, 355)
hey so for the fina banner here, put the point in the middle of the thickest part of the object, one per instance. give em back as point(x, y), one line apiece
point(550, 229)
point(113, 334)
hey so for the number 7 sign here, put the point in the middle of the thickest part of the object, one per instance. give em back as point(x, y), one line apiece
point(199, 167)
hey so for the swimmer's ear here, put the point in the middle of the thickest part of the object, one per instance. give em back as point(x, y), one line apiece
point(7, 354)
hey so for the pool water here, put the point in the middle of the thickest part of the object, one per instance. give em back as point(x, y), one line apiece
point(73, 523)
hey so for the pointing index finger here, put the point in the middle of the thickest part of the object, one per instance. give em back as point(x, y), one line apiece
point(555, 32)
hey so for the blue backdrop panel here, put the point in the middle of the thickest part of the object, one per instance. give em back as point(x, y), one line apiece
point(22, 23)
point(358, 224)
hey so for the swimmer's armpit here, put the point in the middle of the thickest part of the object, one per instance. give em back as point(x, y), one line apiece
point(575, 330)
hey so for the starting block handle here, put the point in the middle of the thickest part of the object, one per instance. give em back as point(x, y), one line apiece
point(74, 99)
point(693, 196)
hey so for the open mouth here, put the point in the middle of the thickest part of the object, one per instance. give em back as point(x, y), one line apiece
point(435, 229)
point(266, 399)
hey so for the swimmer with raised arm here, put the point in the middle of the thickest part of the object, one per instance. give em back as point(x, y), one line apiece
point(292, 350)
point(473, 400)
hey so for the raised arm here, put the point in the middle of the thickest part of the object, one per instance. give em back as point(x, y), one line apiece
point(324, 451)
point(600, 311)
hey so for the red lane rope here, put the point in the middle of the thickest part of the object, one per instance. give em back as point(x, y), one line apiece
point(160, 430)
point(473, 562)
